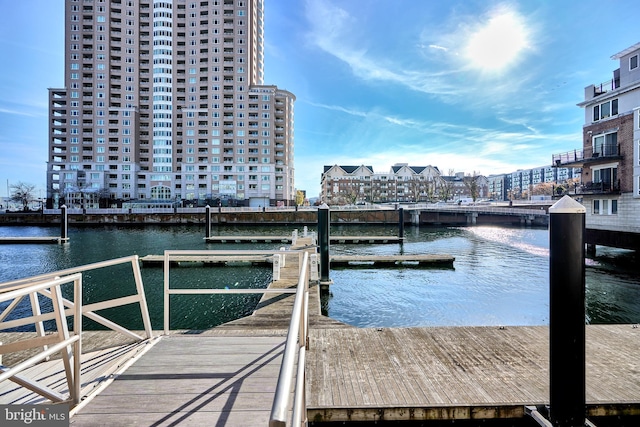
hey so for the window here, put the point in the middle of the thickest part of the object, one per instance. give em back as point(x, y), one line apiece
point(605, 207)
point(605, 110)
point(607, 176)
point(633, 62)
point(605, 145)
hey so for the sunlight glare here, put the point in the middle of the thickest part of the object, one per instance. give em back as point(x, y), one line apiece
point(497, 44)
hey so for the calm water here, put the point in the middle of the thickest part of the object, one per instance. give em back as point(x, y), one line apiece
point(500, 276)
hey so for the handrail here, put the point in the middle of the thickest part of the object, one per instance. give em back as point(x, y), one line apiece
point(196, 254)
point(297, 338)
point(69, 356)
point(88, 310)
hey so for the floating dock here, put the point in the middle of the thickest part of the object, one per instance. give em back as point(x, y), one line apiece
point(335, 260)
point(391, 260)
point(288, 239)
point(217, 260)
point(457, 373)
point(30, 240)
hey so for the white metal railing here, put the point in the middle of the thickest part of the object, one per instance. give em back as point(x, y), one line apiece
point(60, 341)
point(298, 332)
point(297, 341)
point(202, 255)
point(88, 310)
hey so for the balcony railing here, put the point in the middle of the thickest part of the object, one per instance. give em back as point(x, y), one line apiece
point(599, 187)
point(605, 150)
point(568, 157)
point(590, 154)
point(605, 87)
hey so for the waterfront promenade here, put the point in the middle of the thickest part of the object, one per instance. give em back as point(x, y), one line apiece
point(227, 375)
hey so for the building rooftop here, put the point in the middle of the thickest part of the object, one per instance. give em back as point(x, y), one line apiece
point(626, 51)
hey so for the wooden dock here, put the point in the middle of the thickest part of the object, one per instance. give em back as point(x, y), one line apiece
point(460, 372)
point(31, 240)
point(104, 353)
point(287, 239)
point(418, 260)
point(211, 260)
point(223, 376)
point(248, 239)
point(378, 240)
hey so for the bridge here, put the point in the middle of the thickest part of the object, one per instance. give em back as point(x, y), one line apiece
point(475, 214)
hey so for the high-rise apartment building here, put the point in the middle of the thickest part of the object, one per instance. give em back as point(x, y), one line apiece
point(165, 101)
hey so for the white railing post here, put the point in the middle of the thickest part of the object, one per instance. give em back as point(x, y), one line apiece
point(276, 267)
point(35, 311)
point(313, 267)
point(77, 346)
point(166, 293)
point(144, 309)
point(284, 257)
point(305, 230)
point(294, 237)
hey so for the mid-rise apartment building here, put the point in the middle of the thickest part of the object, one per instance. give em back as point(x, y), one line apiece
point(610, 155)
point(165, 101)
point(360, 184)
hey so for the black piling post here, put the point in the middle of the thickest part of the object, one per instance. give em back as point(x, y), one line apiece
point(567, 313)
point(401, 223)
point(323, 241)
point(64, 221)
point(207, 221)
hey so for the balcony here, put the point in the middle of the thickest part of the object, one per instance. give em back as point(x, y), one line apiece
point(605, 87)
point(578, 158)
point(601, 187)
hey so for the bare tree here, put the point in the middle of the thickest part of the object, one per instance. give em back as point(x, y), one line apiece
point(22, 193)
point(351, 196)
point(471, 184)
point(446, 187)
point(542, 189)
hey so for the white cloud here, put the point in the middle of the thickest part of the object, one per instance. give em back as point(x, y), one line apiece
point(435, 46)
point(17, 112)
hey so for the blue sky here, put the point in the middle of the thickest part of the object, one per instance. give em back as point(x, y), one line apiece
point(483, 86)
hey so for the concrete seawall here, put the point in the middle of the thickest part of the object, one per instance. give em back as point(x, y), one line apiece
point(240, 218)
point(280, 217)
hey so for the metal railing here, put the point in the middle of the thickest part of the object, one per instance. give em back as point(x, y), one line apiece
point(60, 341)
point(298, 332)
point(88, 310)
point(202, 255)
point(297, 341)
point(566, 158)
point(476, 209)
point(598, 187)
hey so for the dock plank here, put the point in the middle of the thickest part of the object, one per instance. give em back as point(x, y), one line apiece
point(193, 380)
point(96, 367)
point(463, 372)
